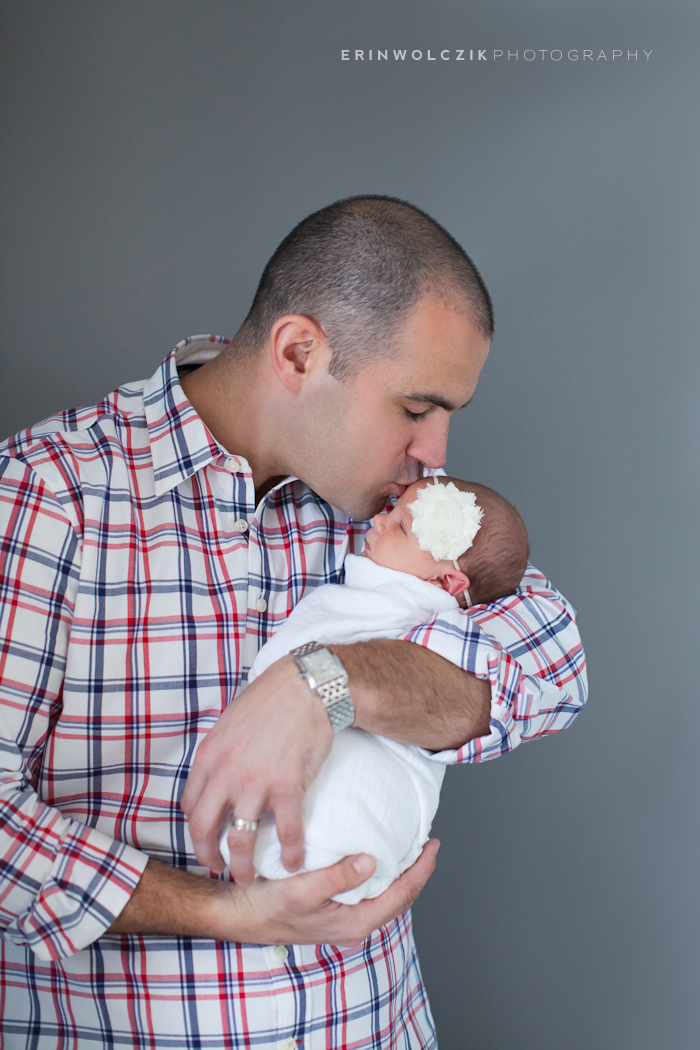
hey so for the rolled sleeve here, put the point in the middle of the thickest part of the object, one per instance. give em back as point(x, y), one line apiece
point(527, 646)
point(61, 883)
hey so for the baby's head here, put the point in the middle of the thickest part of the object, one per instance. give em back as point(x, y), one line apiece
point(489, 568)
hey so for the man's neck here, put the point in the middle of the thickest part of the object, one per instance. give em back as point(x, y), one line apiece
point(230, 401)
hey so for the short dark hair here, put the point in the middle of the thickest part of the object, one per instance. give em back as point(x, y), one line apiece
point(356, 268)
point(496, 562)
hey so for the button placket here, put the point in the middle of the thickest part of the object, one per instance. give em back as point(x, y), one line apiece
point(237, 496)
point(258, 600)
point(286, 1001)
point(255, 579)
point(232, 491)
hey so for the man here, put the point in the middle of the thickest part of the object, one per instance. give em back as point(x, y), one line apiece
point(151, 545)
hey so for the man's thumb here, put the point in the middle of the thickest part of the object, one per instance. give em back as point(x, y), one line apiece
point(364, 865)
point(350, 872)
point(325, 883)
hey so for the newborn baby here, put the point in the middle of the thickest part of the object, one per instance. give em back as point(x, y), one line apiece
point(446, 543)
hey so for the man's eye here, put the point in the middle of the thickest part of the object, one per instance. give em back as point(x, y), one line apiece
point(415, 415)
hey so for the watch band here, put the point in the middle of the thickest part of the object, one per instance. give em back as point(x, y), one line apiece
point(328, 678)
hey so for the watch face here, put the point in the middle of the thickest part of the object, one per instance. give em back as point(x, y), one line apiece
point(326, 675)
point(323, 665)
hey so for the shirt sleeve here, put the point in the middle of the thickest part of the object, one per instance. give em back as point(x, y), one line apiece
point(528, 647)
point(61, 883)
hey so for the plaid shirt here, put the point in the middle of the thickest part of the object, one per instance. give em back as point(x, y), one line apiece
point(138, 581)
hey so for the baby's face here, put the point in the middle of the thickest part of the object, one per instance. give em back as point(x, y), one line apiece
point(391, 542)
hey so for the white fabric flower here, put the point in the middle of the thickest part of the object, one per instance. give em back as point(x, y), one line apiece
point(445, 520)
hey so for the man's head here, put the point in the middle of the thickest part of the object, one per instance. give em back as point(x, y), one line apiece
point(491, 568)
point(368, 330)
point(357, 268)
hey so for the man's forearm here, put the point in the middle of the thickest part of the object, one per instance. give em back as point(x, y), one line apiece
point(298, 910)
point(179, 903)
point(411, 694)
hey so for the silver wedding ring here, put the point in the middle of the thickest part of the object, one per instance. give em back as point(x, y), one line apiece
point(239, 824)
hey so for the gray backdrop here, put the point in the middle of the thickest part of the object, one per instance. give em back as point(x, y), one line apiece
point(158, 150)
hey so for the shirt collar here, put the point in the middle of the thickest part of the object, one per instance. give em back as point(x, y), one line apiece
point(180, 442)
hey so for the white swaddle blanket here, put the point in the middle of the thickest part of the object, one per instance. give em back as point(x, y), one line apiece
point(372, 795)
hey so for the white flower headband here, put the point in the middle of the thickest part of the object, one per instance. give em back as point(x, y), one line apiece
point(445, 521)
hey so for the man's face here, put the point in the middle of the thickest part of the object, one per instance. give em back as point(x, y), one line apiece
point(368, 438)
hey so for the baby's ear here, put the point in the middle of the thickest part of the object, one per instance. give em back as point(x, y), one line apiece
point(454, 582)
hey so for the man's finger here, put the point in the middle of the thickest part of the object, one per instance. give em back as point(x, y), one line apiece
point(414, 878)
point(199, 774)
point(195, 785)
point(241, 844)
point(241, 848)
point(399, 897)
point(205, 822)
point(290, 831)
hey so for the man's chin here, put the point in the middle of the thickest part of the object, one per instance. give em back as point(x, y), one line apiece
point(363, 508)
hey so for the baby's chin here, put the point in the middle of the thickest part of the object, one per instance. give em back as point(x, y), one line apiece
point(375, 561)
point(366, 554)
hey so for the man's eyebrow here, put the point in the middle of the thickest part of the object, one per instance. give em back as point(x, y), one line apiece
point(436, 399)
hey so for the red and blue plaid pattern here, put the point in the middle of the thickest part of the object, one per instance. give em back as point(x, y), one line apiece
point(129, 619)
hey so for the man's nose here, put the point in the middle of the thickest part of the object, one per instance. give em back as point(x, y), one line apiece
point(430, 445)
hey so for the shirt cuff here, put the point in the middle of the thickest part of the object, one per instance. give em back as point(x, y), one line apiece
point(87, 880)
point(484, 658)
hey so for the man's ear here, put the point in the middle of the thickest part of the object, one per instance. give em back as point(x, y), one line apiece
point(454, 582)
point(298, 347)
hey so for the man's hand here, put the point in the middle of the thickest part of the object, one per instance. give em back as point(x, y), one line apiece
point(298, 910)
point(261, 755)
point(271, 741)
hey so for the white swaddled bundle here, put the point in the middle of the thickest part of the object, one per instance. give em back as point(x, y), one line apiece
point(372, 795)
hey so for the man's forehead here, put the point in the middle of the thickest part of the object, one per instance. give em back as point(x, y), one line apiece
point(447, 385)
point(444, 379)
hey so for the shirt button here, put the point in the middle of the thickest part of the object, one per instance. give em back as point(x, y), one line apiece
point(232, 465)
point(241, 525)
point(289, 1044)
point(282, 952)
point(261, 604)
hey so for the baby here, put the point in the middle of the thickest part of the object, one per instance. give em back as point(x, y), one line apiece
point(446, 543)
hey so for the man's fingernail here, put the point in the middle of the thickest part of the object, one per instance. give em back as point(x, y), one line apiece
point(363, 864)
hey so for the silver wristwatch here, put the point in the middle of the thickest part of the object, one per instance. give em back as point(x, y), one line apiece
point(327, 677)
